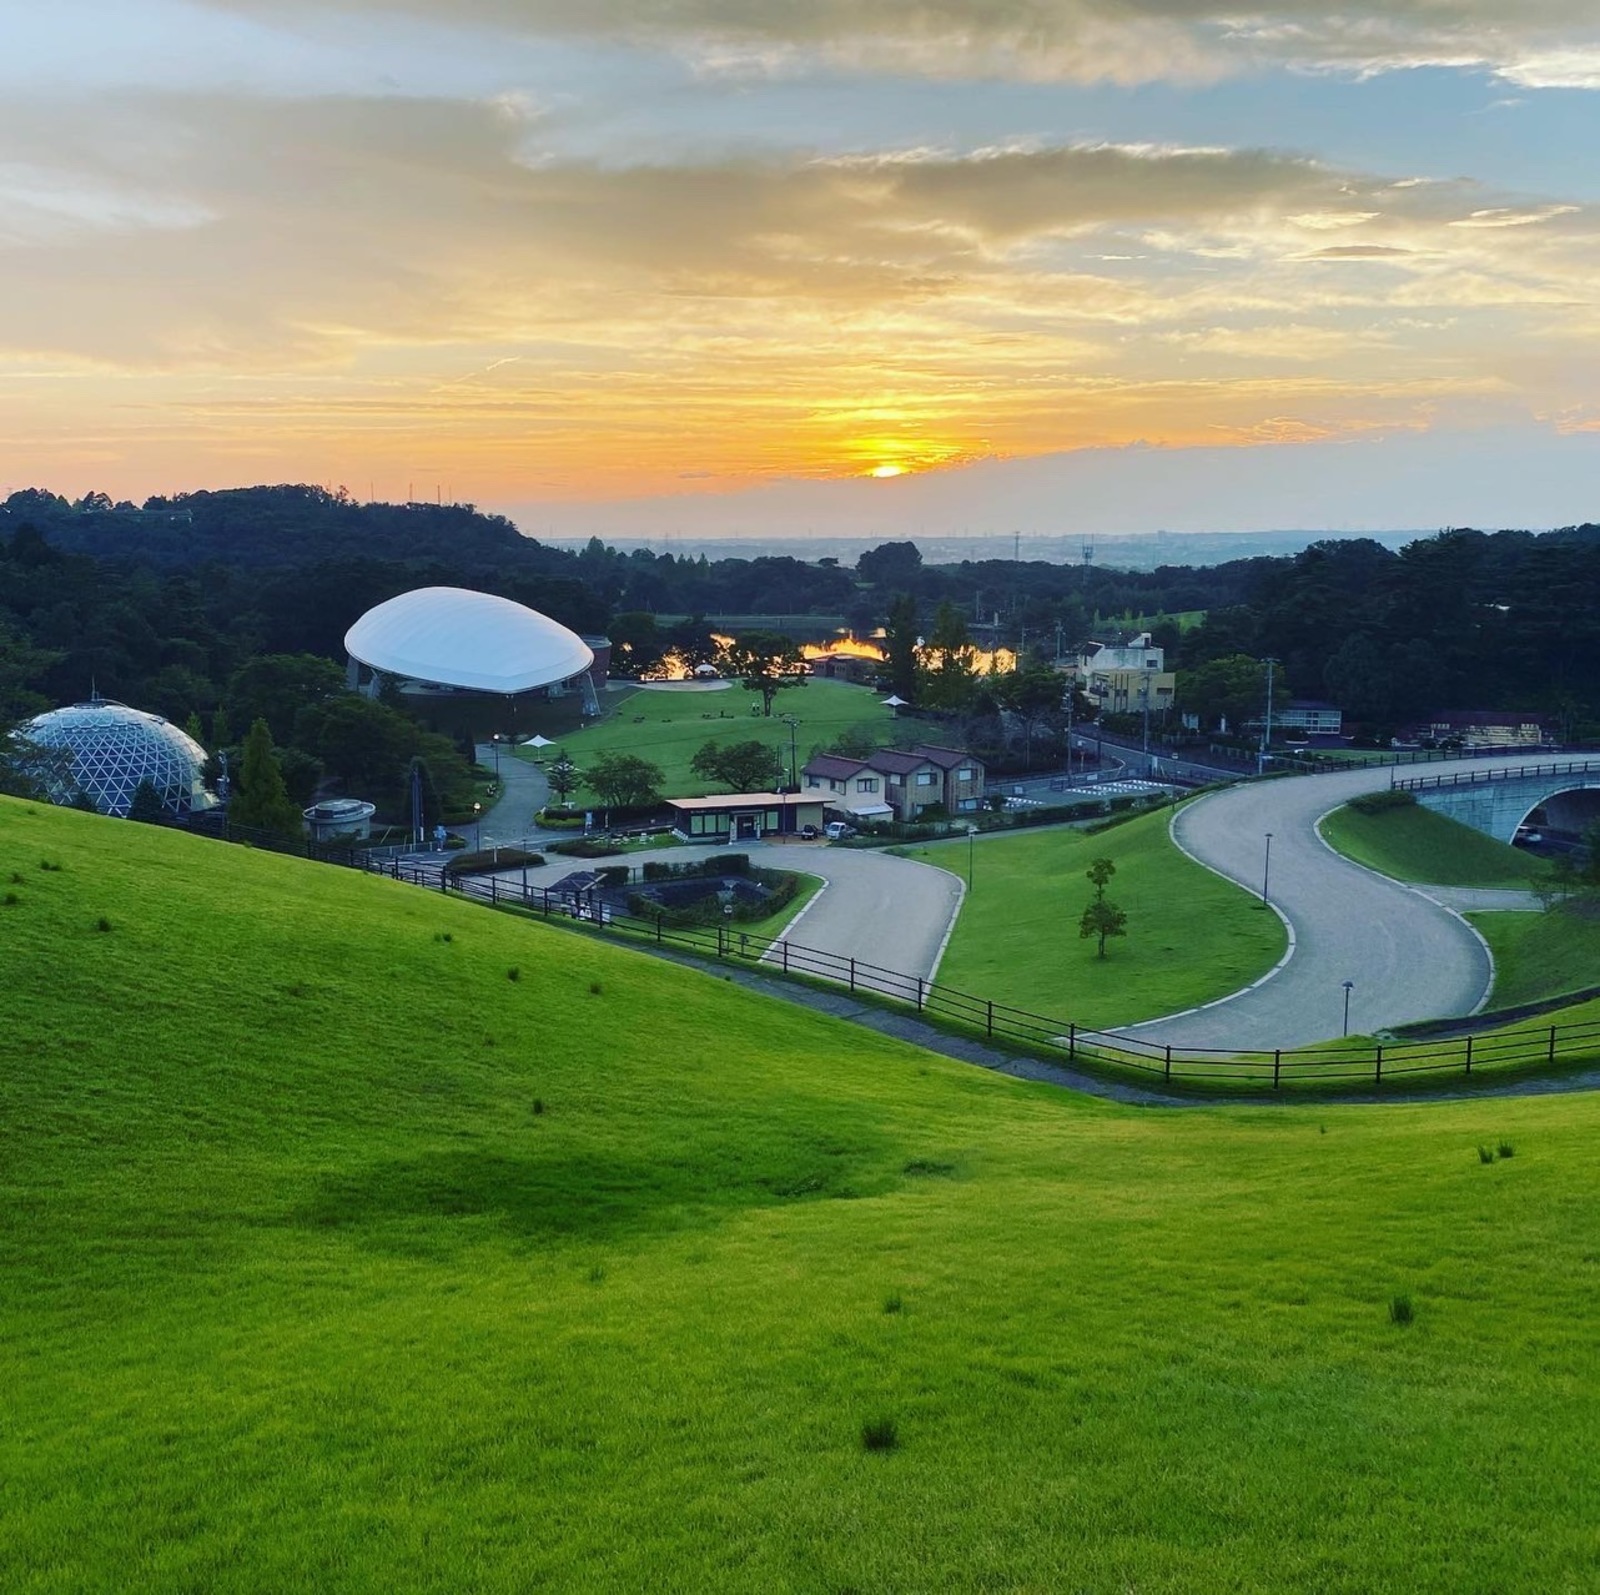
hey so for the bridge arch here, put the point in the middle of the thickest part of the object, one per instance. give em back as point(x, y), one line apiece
point(1500, 801)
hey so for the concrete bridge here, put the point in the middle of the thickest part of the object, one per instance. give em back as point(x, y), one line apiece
point(1499, 799)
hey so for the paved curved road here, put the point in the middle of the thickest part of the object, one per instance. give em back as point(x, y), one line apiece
point(1410, 957)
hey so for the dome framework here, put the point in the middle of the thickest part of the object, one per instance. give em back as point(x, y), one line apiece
point(104, 750)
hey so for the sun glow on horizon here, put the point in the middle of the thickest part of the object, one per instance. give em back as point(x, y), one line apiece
point(887, 470)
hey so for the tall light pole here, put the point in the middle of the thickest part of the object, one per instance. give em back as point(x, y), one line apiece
point(1349, 986)
point(972, 831)
point(1266, 870)
point(794, 750)
point(477, 827)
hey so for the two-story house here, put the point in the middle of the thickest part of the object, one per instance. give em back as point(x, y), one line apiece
point(898, 783)
point(1124, 675)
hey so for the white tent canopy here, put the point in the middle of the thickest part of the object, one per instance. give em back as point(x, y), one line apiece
point(457, 638)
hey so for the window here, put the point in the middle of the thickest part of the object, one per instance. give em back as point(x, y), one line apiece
point(967, 804)
point(867, 783)
point(966, 773)
point(926, 777)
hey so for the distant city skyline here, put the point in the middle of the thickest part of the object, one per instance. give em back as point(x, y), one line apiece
point(736, 267)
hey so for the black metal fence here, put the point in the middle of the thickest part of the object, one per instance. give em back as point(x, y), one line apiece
point(1435, 783)
point(1344, 1064)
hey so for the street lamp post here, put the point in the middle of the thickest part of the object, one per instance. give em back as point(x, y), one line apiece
point(1266, 870)
point(794, 751)
point(494, 742)
point(1266, 725)
point(1349, 986)
point(477, 827)
point(972, 832)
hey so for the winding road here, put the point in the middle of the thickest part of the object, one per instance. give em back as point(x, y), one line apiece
point(1406, 949)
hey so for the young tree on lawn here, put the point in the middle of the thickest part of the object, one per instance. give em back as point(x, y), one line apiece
point(765, 663)
point(259, 797)
point(562, 774)
point(1102, 917)
point(740, 766)
point(900, 648)
point(625, 781)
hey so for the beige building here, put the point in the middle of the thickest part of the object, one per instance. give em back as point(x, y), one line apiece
point(1124, 677)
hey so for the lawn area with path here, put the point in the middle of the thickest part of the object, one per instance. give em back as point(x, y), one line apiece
point(669, 727)
point(1191, 935)
point(339, 1261)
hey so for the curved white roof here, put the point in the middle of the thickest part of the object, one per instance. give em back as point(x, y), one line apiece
point(465, 639)
point(105, 750)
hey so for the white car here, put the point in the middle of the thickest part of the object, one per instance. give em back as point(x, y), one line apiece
point(837, 830)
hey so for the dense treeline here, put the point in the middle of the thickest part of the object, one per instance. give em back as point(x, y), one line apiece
point(175, 604)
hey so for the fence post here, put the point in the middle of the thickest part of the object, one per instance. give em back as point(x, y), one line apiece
point(494, 891)
point(1166, 1068)
point(989, 1022)
point(919, 993)
point(1277, 1065)
point(1552, 1057)
point(1469, 1054)
point(1072, 1042)
point(720, 934)
point(785, 946)
point(444, 880)
point(658, 930)
point(852, 976)
point(1378, 1065)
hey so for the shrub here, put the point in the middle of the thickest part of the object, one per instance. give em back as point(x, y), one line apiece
point(1400, 1310)
point(880, 1434)
point(1506, 1149)
point(1486, 1154)
point(490, 859)
point(594, 988)
point(513, 973)
point(538, 1106)
point(1382, 802)
point(102, 924)
point(891, 1303)
point(613, 875)
point(586, 847)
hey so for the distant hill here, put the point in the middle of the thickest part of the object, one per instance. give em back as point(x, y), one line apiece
point(355, 1238)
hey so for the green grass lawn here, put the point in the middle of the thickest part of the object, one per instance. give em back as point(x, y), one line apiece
point(1415, 844)
point(669, 728)
point(1543, 954)
point(336, 1260)
point(1191, 935)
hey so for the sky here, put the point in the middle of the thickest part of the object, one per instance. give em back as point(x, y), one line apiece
point(770, 267)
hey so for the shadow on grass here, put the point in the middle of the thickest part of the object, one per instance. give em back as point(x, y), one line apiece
point(450, 1198)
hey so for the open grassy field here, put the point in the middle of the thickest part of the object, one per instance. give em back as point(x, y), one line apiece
point(1415, 844)
point(1542, 955)
point(669, 728)
point(1191, 935)
point(337, 1260)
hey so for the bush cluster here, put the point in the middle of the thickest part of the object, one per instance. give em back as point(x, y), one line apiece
point(1383, 802)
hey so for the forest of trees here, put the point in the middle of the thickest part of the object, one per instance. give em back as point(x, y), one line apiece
point(216, 609)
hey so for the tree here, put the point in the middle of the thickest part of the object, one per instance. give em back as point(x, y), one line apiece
point(625, 781)
point(952, 679)
point(740, 766)
point(900, 648)
point(1102, 918)
point(147, 807)
point(562, 774)
point(276, 687)
point(259, 799)
point(1233, 688)
point(765, 663)
point(890, 565)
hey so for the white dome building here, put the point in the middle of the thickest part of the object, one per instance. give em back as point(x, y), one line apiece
point(106, 749)
point(443, 639)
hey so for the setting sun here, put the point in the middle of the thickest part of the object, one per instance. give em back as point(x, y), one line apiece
point(888, 470)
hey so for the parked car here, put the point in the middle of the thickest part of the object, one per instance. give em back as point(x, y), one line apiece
point(837, 830)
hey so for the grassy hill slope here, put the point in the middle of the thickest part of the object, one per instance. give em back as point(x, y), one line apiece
point(1415, 844)
point(335, 1259)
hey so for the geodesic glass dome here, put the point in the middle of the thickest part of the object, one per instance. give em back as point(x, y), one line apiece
point(108, 749)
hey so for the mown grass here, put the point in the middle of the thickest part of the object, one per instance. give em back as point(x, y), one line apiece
point(1191, 935)
point(336, 1261)
point(669, 728)
point(1415, 844)
point(1541, 955)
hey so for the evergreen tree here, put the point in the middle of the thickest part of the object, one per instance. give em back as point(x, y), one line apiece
point(259, 797)
point(147, 807)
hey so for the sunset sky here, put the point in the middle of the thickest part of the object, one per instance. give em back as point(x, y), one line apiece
point(785, 265)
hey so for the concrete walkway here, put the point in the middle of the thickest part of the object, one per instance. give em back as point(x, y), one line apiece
point(523, 792)
point(1406, 949)
point(891, 912)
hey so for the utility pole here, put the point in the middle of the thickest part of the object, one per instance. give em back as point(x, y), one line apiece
point(1266, 725)
point(1144, 695)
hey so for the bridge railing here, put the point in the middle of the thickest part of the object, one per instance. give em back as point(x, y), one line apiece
point(1429, 783)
